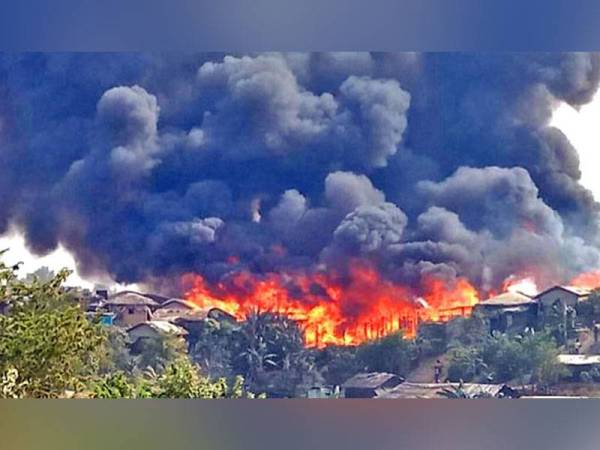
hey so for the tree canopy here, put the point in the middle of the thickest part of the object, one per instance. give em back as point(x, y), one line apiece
point(49, 347)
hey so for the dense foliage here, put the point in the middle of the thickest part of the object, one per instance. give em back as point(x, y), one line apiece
point(391, 353)
point(531, 357)
point(47, 345)
point(49, 348)
point(266, 349)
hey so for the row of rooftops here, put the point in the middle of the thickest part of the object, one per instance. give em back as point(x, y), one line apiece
point(166, 314)
point(508, 299)
point(408, 390)
point(160, 305)
point(390, 386)
point(155, 301)
point(162, 327)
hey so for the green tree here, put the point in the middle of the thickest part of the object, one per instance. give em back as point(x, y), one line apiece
point(269, 352)
point(117, 356)
point(457, 392)
point(505, 357)
point(391, 353)
point(502, 358)
point(46, 338)
point(465, 364)
point(467, 331)
point(338, 363)
point(158, 352)
point(215, 347)
point(179, 379)
point(541, 349)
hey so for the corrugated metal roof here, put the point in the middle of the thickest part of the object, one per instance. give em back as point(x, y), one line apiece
point(579, 360)
point(432, 390)
point(178, 303)
point(371, 380)
point(581, 291)
point(130, 298)
point(578, 291)
point(507, 299)
point(171, 315)
point(162, 326)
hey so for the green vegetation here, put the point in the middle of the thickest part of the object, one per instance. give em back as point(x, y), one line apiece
point(588, 312)
point(457, 392)
point(531, 357)
point(391, 353)
point(180, 379)
point(267, 350)
point(47, 345)
point(49, 348)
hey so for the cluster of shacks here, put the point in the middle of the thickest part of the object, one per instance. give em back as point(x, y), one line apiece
point(151, 315)
point(389, 386)
point(516, 311)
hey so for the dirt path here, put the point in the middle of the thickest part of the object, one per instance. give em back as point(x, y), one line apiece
point(424, 373)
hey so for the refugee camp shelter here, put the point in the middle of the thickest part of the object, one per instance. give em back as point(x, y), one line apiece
point(409, 390)
point(579, 363)
point(177, 304)
point(131, 308)
point(365, 385)
point(509, 312)
point(565, 296)
point(321, 392)
point(155, 329)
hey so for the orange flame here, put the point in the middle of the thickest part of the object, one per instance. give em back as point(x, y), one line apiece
point(336, 310)
point(522, 284)
point(588, 280)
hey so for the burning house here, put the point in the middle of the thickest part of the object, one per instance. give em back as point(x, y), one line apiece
point(509, 312)
point(190, 317)
point(336, 310)
point(562, 297)
point(557, 306)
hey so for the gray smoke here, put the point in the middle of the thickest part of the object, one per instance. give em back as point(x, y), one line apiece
point(147, 166)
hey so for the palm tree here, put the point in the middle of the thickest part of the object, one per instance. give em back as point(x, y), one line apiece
point(456, 392)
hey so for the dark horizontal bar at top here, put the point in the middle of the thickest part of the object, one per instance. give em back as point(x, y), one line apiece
point(253, 25)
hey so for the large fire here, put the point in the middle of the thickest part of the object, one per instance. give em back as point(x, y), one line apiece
point(351, 309)
point(588, 280)
point(333, 309)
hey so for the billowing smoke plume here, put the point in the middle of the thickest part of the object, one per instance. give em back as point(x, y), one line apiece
point(150, 166)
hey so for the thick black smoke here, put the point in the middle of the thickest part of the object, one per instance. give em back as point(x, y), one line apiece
point(146, 166)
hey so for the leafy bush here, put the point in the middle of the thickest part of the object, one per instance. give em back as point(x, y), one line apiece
point(46, 340)
point(467, 331)
point(465, 364)
point(337, 364)
point(180, 379)
point(431, 339)
point(391, 353)
point(505, 358)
